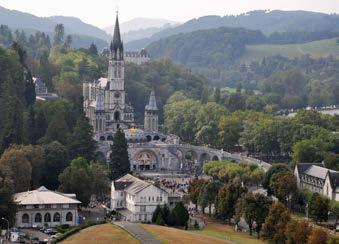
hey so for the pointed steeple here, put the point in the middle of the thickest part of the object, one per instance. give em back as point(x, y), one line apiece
point(117, 47)
point(152, 103)
point(116, 35)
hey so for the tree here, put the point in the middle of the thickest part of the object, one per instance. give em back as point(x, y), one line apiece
point(57, 129)
point(228, 196)
point(31, 126)
point(255, 208)
point(180, 215)
point(15, 168)
point(276, 168)
point(165, 211)
point(194, 190)
point(307, 151)
point(318, 207)
point(217, 95)
point(284, 186)
point(99, 178)
point(59, 32)
point(297, 232)
point(155, 214)
point(208, 195)
point(8, 208)
point(119, 162)
point(318, 236)
point(160, 220)
point(76, 178)
point(207, 119)
point(81, 143)
point(275, 223)
point(29, 89)
point(68, 42)
point(41, 125)
point(93, 50)
point(56, 157)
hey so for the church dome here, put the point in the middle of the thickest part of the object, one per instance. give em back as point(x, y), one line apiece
point(134, 135)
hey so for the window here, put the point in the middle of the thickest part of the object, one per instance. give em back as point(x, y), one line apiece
point(121, 194)
point(142, 208)
point(56, 217)
point(69, 216)
point(38, 218)
point(47, 217)
point(160, 198)
point(157, 199)
point(25, 218)
point(35, 206)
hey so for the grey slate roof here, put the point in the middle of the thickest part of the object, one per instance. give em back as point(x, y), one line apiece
point(121, 185)
point(303, 167)
point(152, 104)
point(317, 171)
point(136, 184)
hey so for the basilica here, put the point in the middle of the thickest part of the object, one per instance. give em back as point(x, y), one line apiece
point(105, 99)
point(107, 108)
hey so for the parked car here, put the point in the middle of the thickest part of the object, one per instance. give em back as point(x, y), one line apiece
point(50, 231)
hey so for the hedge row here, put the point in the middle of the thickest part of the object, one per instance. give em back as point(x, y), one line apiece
point(75, 230)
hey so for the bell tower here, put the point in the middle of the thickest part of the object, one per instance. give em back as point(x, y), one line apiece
point(151, 114)
point(116, 77)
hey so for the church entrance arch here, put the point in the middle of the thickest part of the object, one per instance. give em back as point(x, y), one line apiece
point(116, 115)
point(145, 160)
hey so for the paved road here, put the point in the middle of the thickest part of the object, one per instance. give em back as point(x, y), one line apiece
point(135, 230)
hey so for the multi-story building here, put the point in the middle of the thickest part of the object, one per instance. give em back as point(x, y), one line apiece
point(317, 178)
point(136, 199)
point(42, 207)
point(137, 57)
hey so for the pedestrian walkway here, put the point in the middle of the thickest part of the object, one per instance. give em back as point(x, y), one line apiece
point(135, 230)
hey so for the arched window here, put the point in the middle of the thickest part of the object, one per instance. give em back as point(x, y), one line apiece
point(38, 218)
point(69, 216)
point(47, 217)
point(56, 217)
point(25, 218)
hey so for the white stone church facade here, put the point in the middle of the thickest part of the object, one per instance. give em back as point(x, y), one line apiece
point(105, 99)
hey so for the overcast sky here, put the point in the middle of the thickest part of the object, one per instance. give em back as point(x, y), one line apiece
point(101, 12)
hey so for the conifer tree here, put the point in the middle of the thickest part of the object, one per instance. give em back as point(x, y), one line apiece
point(119, 163)
point(40, 125)
point(82, 143)
point(31, 127)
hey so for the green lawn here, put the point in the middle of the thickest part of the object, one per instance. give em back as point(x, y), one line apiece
point(227, 232)
point(316, 49)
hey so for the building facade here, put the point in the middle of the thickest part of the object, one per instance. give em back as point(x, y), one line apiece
point(43, 207)
point(317, 178)
point(137, 57)
point(135, 199)
point(105, 102)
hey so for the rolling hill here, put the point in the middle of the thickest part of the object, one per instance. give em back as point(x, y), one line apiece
point(266, 21)
point(316, 49)
point(82, 33)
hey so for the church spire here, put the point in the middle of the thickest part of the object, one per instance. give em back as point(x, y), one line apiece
point(117, 46)
point(152, 104)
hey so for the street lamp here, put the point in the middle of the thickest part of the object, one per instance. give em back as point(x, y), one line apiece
point(3, 218)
